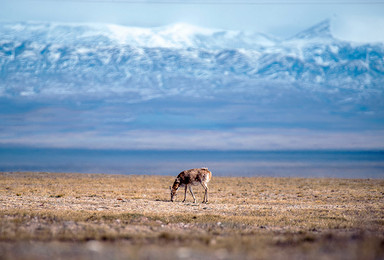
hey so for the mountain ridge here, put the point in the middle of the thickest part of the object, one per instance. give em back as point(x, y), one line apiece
point(52, 59)
point(319, 30)
point(179, 35)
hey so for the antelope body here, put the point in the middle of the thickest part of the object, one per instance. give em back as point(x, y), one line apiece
point(192, 177)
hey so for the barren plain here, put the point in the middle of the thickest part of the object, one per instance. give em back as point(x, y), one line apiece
point(97, 216)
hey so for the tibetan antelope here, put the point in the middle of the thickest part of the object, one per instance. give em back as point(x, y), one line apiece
point(192, 177)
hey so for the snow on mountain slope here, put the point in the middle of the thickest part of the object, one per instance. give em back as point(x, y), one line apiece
point(321, 30)
point(173, 36)
point(40, 59)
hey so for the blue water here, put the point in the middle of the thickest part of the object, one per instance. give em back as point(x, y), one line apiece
point(341, 164)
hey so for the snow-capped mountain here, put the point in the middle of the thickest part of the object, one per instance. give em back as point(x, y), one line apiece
point(49, 59)
point(185, 87)
point(319, 31)
point(173, 36)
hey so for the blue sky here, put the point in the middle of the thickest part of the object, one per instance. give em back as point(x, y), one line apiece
point(353, 20)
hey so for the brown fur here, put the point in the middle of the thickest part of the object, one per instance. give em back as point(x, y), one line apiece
point(192, 177)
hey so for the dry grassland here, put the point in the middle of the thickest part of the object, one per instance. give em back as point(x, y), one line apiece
point(95, 216)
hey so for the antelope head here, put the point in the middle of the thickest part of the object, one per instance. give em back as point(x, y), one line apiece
point(174, 188)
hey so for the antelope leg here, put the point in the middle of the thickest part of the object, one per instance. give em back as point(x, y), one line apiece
point(193, 195)
point(185, 193)
point(205, 200)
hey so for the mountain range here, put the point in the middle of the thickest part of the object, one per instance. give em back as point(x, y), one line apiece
point(45, 59)
point(185, 87)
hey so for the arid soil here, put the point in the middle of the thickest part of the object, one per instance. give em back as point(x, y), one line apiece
point(97, 216)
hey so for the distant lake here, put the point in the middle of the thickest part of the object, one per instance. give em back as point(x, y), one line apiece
point(341, 164)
